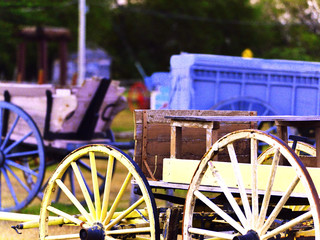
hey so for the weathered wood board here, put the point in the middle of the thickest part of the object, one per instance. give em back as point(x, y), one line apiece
point(68, 108)
point(152, 136)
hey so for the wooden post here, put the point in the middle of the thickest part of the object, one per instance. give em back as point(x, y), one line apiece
point(317, 130)
point(63, 52)
point(176, 134)
point(42, 61)
point(175, 141)
point(21, 58)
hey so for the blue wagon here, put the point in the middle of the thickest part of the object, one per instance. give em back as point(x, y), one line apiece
point(203, 81)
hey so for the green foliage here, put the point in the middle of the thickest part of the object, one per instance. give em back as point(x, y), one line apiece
point(295, 34)
point(156, 29)
point(151, 31)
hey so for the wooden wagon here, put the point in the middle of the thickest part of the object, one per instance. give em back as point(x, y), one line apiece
point(235, 182)
point(40, 124)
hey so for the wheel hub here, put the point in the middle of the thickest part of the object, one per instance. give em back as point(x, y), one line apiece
point(251, 235)
point(2, 158)
point(96, 232)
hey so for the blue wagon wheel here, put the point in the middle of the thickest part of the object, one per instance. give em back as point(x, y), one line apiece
point(248, 104)
point(22, 158)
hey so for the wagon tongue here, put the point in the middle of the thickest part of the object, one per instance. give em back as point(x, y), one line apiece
point(251, 235)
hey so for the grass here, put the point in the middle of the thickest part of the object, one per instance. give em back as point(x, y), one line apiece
point(123, 122)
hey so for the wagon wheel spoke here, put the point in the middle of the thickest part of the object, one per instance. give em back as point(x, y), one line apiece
point(59, 189)
point(17, 178)
point(230, 198)
point(242, 199)
point(74, 200)
point(10, 132)
point(267, 195)
point(95, 184)
point(103, 210)
point(280, 205)
point(117, 199)
point(21, 167)
point(22, 159)
point(10, 186)
point(302, 148)
point(287, 225)
point(17, 142)
point(23, 154)
point(107, 188)
point(243, 194)
point(254, 180)
point(87, 167)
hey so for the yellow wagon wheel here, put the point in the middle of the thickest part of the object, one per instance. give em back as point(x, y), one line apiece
point(104, 217)
point(254, 195)
point(301, 149)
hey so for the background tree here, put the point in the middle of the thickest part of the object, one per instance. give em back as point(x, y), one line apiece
point(149, 32)
point(296, 28)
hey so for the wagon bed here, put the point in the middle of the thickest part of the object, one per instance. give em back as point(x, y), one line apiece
point(40, 124)
point(59, 112)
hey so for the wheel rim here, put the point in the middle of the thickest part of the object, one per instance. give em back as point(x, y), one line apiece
point(22, 158)
point(258, 215)
point(250, 104)
point(301, 149)
point(246, 103)
point(101, 213)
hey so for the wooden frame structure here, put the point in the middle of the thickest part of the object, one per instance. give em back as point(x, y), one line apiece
point(42, 35)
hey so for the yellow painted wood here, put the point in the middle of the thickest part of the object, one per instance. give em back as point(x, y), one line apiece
point(95, 183)
point(18, 217)
point(182, 170)
point(105, 201)
point(84, 189)
point(65, 215)
point(129, 230)
point(74, 200)
point(117, 199)
point(126, 217)
point(125, 213)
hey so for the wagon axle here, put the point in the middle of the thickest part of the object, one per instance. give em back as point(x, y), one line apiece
point(95, 232)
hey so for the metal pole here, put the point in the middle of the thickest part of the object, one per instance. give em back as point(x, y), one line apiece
point(82, 42)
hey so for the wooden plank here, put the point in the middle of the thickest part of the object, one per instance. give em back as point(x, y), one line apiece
point(158, 116)
point(172, 174)
point(286, 119)
point(26, 90)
